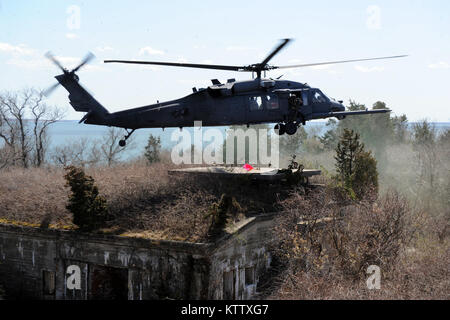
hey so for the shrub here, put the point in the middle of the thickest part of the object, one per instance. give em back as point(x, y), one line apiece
point(356, 169)
point(221, 211)
point(87, 206)
point(153, 149)
point(318, 236)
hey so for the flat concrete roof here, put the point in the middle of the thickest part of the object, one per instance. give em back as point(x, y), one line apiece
point(270, 174)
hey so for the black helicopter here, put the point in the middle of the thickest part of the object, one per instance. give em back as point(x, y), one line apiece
point(287, 103)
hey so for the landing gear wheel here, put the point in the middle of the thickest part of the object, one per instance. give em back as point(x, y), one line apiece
point(280, 129)
point(123, 142)
point(291, 128)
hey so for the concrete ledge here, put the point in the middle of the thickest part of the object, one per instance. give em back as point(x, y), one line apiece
point(265, 174)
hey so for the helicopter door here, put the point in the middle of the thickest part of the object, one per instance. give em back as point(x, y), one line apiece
point(306, 108)
point(255, 108)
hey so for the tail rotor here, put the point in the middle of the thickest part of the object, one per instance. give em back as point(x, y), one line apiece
point(90, 56)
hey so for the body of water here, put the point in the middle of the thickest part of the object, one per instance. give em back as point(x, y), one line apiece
point(67, 131)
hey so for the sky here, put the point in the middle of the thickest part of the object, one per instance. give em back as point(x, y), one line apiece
point(235, 33)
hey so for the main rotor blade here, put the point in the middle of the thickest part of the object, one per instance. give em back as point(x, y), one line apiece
point(187, 65)
point(49, 90)
point(52, 58)
point(274, 52)
point(335, 62)
point(86, 59)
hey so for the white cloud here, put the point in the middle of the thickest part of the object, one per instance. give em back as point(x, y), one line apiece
point(71, 36)
point(28, 63)
point(21, 49)
point(150, 51)
point(439, 65)
point(369, 69)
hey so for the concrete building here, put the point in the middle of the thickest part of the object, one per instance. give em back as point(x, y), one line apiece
point(54, 264)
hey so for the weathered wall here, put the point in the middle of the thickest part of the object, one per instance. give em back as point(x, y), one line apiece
point(155, 269)
point(43, 264)
point(238, 262)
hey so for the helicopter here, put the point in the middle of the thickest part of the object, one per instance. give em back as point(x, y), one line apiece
point(287, 104)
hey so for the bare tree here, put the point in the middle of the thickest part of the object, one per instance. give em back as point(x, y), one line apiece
point(25, 139)
point(75, 153)
point(13, 130)
point(108, 148)
point(43, 117)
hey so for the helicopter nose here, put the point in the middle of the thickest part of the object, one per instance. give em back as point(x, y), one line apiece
point(337, 106)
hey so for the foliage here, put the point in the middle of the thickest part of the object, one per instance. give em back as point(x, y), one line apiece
point(356, 168)
point(153, 149)
point(87, 206)
point(424, 133)
point(108, 149)
point(318, 236)
point(330, 138)
point(400, 128)
point(226, 208)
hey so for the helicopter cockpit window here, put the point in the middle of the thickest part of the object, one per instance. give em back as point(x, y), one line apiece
point(319, 97)
point(256, 103)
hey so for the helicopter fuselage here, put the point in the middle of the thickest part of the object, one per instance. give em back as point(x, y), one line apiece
point(232, 103)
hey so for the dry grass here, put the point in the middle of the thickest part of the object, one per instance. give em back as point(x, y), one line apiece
point(142, 200)
point(329, 261)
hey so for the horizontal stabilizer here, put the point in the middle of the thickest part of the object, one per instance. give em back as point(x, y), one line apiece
point(360, 112)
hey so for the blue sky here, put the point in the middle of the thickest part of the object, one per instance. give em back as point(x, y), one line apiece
point(232, 32)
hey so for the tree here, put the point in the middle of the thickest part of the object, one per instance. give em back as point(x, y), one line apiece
point(87, 206)
point(346, 151)
point(108, 149)
point(43, 117)
point(424, 133)
point(25, 140)
point(400, 128)
point(365, 178)
point(153, 149)
point(330, 138)
point(375, 130)
point(427, 154)
point(356, 168)
point(79, 153)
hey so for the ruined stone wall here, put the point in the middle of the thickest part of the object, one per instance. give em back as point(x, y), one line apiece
point(38, 264)
point(52, 264)
point(238, 262)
